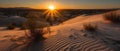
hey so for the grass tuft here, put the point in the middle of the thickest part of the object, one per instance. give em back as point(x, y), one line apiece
point(11, 26)
point(90, 27)
point(114, 17)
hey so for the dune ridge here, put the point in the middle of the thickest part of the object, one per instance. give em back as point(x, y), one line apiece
point(71, 36)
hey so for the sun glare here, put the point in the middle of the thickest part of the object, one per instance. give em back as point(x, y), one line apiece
point(51, 7)
point(51, 13)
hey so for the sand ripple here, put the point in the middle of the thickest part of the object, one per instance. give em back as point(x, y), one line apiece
point(75, 43)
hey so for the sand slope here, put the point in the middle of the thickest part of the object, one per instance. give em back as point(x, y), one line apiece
point(71, 36)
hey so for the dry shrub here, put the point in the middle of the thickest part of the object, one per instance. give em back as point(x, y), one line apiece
point(11, 26)
point(90, 27)
point(23, 26)
point(112, 16)
point(35, 33)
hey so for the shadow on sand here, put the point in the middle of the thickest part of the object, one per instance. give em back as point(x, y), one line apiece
point(33, 46)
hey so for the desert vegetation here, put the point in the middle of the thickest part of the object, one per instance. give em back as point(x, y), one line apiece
point(11, 26)
point(112, 16)
point(34, 33)
point(90, 27)
point(64, 25)
point(23, 26)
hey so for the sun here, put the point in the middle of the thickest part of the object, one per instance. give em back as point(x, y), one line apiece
point(51, 7)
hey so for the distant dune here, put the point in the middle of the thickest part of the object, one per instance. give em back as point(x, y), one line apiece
point(13, 19)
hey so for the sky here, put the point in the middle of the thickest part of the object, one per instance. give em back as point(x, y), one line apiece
point(62, 4)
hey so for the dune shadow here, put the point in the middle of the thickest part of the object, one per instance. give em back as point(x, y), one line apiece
point(33, 46)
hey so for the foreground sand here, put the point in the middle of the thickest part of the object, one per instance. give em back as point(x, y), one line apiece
point(68, 36)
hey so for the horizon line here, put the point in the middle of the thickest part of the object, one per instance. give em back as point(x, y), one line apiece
point(60, 8)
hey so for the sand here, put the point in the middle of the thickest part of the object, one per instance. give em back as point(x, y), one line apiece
point(68, 36)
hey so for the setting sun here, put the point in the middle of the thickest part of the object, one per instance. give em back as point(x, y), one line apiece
point(51, 7)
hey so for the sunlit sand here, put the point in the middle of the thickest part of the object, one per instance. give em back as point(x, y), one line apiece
point(69, 35)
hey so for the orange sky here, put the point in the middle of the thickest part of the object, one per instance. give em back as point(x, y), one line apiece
point(61, 4)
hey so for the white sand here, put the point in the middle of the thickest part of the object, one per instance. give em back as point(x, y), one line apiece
point(69, 36)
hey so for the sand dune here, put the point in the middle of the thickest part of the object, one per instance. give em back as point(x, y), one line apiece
point(71, 36)
point(72, 43)
point(69, 43)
